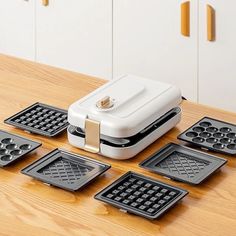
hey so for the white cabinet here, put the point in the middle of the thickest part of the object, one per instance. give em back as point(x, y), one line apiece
point(217, 58)
point(147, 42)
point(17, 29)
point(76, 35)
point(109, 38)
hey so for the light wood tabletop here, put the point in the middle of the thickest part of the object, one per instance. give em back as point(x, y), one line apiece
point(29, 207)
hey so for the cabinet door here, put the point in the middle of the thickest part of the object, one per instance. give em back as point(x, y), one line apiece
point(148, 42)
point(76, 35)
point(217, 58)
point(17, 20)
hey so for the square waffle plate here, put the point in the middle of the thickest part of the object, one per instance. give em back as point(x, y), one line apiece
point(40, 119)
point(212, 134)
point(140, 195)
point(13, 147)
point(183, 164)
point(65, 170)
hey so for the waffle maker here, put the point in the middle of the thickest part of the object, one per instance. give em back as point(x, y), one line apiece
point(124, 116)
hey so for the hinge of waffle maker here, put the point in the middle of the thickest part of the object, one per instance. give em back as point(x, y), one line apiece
point(92, 136)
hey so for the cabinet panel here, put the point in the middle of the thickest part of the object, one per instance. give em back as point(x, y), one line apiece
point(148, 42)
point(76, 35)
point(17, 18)
point(217, 59)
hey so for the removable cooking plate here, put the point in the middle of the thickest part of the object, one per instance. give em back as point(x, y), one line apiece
point(212, 134)
point(183, 164)
point(65, 170)
point(14, 147)
point(141, 195)
point(40, 119)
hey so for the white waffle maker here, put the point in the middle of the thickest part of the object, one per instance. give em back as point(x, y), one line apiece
point(124, 116)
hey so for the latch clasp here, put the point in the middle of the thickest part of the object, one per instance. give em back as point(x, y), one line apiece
point(92, 136)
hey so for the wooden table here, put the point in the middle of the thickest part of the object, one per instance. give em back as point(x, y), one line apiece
point(28, 207)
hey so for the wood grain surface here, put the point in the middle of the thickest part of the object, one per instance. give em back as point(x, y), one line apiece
point(29, 207)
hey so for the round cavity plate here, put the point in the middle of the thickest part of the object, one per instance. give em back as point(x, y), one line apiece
point(232, 146)
point(11, 146)
point(25, 147)
point(205, 134)
point(226, 140)
point(191, 134)
point(3, 151)
point(218, 146)
point(212, 129)
point(6, 158)
point(225, 130)
point(231, 135)
point(218, 135)
point(205, 124)
point(198, 129)
point(212, 140)
point(198, 140)
point(16, 152)
point(7, 141)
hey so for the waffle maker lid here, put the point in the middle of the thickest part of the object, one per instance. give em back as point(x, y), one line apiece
point(123, 107)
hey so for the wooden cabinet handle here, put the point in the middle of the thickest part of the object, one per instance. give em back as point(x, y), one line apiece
point(210, 23)
point(185, 18)
point(45, 2)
